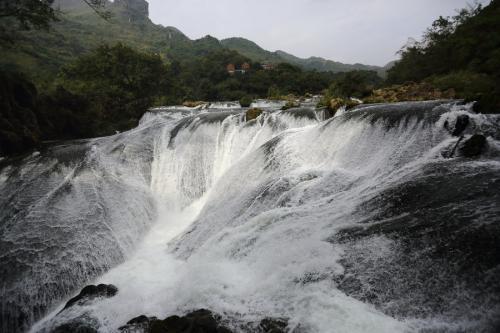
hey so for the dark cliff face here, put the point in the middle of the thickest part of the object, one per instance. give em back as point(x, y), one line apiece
point(135, 10)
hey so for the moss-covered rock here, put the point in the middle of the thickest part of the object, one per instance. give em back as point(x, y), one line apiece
point(409, 92)
point(193, 104)
point(337, 103)
point(253, 113)
point(290, 104)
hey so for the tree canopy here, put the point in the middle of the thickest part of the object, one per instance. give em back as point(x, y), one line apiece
point(460, 52)
point(34, 14)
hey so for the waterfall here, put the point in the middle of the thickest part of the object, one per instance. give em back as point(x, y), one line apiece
point(357, 223)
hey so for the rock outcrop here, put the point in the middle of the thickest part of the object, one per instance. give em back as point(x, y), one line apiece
point(473, 146)
point(461, 124)
point(200, 321)
point(409, 92)
point(92, 292)
point(134, 10)
point(253, 113)
point(273, 325)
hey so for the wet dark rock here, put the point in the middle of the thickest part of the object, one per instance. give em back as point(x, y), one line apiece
point(474, 146)
point(450, 151)
point(91, 292)
point(199, 321)
point(299, 112)
point(140, 320)
point(273, 325)
point(74, 328)
point(440, 259)
point(138, 324)
point(82, 324)
point(461, 124)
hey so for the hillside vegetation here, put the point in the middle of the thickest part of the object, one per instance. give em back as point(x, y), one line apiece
point(40, 54)
point(461, 53)
point(255, 52)
point(93, 76)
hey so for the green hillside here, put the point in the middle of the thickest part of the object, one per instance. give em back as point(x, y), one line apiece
point(257, 53)
point(40, 54)
point(324, 65)
point(251, 50)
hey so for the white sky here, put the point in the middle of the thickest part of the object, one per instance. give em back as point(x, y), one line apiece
point(349, 31)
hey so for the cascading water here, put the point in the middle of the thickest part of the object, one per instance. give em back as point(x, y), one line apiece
point(354, 224)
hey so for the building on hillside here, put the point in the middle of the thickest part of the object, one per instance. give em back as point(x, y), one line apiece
point(267, 67)
point(231, 69)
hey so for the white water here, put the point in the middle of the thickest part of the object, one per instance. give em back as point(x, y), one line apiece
point(243, 214)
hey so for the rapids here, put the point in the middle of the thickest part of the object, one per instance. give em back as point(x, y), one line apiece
point(358, 223)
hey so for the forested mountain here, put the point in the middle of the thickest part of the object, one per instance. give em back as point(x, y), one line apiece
point(40, 54)
point(325, 65)
point(257, 53)
point(87, 76)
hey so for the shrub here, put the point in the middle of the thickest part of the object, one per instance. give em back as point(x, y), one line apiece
point(246, 101)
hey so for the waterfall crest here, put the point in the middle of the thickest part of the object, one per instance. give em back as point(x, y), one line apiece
point(360, 222)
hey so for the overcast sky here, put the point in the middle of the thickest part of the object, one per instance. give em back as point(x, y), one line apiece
point(350, 31)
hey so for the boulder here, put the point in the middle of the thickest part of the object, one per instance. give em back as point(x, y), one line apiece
point(337, 103)
point(461, 124)
point(253, 113)
point(91, 292)
point(290, 104)
point(273, 325)
point(193, 104)
point(473, 146)
point(75, 327)
point(138, 324)
point(199, 321)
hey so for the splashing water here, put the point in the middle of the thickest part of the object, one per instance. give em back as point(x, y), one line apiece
point(353, 224)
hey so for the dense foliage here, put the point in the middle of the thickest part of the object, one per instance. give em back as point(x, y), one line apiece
point(110, 88)
point(84, 87)
point(119, 82)
point(358, 84)
point(99, 94)
point(34, 14)
point(207, 79)
point(19, 128)
point(460, 52)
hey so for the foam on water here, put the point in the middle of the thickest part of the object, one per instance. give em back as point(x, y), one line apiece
point(244, 213)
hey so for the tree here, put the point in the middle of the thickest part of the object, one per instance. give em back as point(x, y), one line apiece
point(29, 13)
point(355, 84)
point(460, 53)
point(35, 14)
point(120, 82)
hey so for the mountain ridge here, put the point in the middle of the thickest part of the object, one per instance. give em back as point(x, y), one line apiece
point(80, 30)
point(252, 50)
